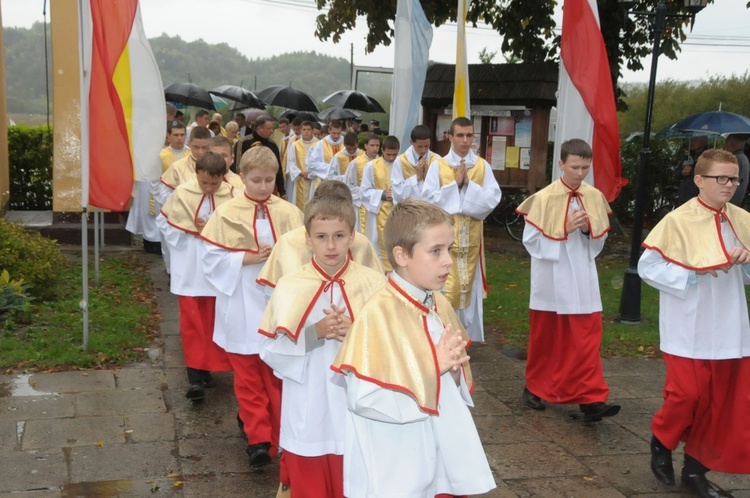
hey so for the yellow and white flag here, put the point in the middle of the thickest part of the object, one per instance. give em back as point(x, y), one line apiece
point(461, 104)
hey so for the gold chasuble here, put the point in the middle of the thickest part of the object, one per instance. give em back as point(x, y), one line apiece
point(304, 287)
point(381, 173)
point(179, 172)
point(291, 252)
point(330, 150)
point(232, 226)
point(389, 345)
point(690, 236)
point(468, 247)
point(235, 181)
point(169, 156)
point(344, 159)
point(360, 162)
point(181, 209)
point(547, 210)
point(302, 186)
point(408, 169)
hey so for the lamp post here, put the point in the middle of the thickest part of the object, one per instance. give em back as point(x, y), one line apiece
point(630, 300)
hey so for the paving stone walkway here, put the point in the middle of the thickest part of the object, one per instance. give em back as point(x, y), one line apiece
point(131, 432)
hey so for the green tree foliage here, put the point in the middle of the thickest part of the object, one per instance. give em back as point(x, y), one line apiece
point(24, 68)
point(675, 100)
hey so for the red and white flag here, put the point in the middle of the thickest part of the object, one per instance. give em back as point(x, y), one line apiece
point(585, 97)
point(123, 115)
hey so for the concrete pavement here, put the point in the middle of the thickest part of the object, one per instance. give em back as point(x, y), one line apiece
point(131, 432)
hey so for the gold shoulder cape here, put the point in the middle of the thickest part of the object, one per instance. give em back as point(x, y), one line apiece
point(690, 236)
point(389, 345)
point(235, 181)
point(547, 210)
point(232, 226)
point(291, 252)
point(296, 295)
point(182, 206)
point(181, 171)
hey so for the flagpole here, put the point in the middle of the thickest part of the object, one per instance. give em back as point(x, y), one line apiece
point(84, 105)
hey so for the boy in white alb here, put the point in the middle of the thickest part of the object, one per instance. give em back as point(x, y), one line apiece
point(377, 197)
point(299, 191)
point(239, 238)
point(409, 432)
point(320, 155)
point(697, 257)
point(308, 315)
point(342, 159)
point(181, 220)
point(354, 174)
point(410, 168)
point(464, 185)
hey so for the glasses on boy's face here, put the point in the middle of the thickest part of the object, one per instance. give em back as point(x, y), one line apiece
point(722, 180)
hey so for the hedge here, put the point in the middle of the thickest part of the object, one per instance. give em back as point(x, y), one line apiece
point(30, 154)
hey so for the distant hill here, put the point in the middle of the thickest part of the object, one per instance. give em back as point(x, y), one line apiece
point(207, 65)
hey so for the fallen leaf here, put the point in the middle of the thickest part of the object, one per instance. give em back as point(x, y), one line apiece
point(177, 484)
point(100, 443)
point(85, 374)
point(172, 475)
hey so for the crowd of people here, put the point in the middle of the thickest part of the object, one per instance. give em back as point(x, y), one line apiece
point(341, 281)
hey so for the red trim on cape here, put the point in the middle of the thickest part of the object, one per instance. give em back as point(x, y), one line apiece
point(264, 282)
point(424, 309)
point(166, 184)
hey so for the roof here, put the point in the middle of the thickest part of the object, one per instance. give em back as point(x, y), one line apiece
point(495, 84)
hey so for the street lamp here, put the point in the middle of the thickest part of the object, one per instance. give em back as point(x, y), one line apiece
point(630, 300)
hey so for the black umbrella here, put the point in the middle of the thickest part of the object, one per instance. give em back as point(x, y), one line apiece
point(290, 114)
point(720, 122)
point(289, 97)
point(352, 99)
point(337, 113)
point(240, 95)
point(189, 94)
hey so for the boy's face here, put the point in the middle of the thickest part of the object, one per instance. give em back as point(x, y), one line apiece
point(351, 149)
point(259, 182)
point(316, 133)
point(307, 133)
point(202, 120)
point(198, 147)
point(176, 138)
point(335, 133)
point(710, 191)
point(430, 262)
point(224, 152)
point(372, 147)
point(284, 127)
point(297, 129)
point(390, 155)
point(330, 241)
point(421, 146)
point(461, 139)
point(208, 184)
point(574, 170)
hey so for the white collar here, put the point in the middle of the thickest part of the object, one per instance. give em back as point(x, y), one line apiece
point(455, 160)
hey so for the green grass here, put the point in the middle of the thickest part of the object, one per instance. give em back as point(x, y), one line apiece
point(506, 309)
point(49, 335)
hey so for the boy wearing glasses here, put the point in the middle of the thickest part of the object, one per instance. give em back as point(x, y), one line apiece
point(695, 257)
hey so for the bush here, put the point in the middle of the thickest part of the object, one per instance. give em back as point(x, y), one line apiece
point(31, 257)
point(30, 155)
point(13, 294)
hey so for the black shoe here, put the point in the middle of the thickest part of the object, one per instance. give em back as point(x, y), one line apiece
point(661, 463)
point(258, 453)
point(208, 382)
point(700, 486)
point(532, 400)
point(195, 393)
point(593, 412)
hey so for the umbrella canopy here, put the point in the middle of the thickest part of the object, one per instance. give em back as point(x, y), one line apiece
point(189, 94)
point(290, 114)
point(254, 114)
point(721, 122)
point(337, 113)
point(239, 95)
point(289, 97)
point(352, 99)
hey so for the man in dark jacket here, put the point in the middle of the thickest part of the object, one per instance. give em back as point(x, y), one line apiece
point(261, 133)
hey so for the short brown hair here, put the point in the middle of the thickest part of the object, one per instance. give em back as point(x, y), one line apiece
point(407, 223)
point(712, 156)
point(333, 188)
point(575, 147)
point(200, 133)
point(220, 141)
point(459, 121)
point(213, 164)
point(329, 208)
point(258, 157)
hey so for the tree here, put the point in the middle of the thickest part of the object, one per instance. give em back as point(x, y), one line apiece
point(526, 26)
point(485, 56)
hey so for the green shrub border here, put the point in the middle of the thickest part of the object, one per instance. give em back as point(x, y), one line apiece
point(30, 155)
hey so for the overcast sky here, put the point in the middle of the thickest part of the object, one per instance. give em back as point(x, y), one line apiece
point(719, 44)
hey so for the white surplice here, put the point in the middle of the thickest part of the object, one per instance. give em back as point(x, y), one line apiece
point(411, 187)
point(317, 165)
